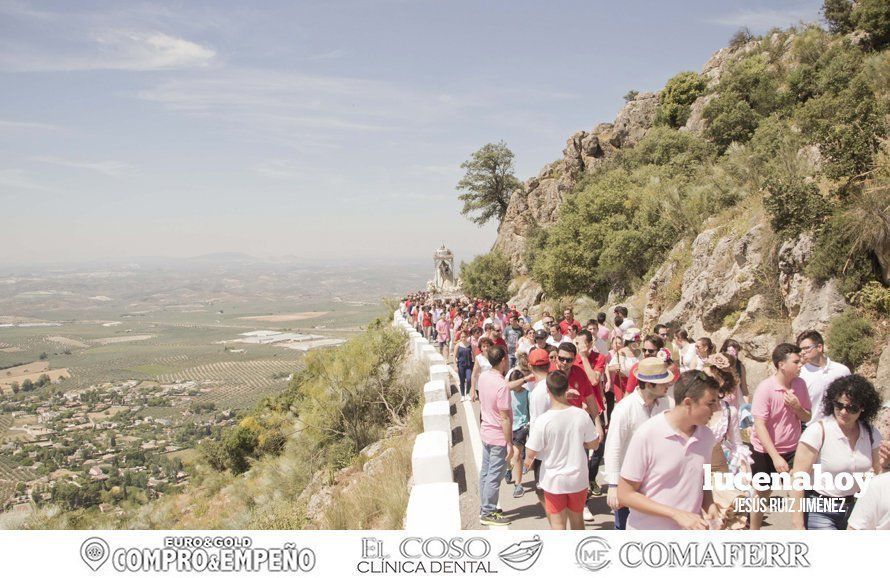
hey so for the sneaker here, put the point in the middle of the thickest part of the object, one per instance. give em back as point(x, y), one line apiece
point(518, 491)
point(508, 477)
point(494, 519)
point(588, 515)
point(595, 490)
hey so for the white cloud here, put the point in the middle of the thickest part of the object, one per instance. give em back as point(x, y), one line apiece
point(763, 19)
point(109, 168)
point(113, 49)
point(15, 124)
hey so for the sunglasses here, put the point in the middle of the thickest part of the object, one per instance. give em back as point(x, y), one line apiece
point(565, 359)
point(652, 351)
point(850, 407)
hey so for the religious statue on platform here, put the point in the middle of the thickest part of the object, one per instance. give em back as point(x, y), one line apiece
point(444, 280)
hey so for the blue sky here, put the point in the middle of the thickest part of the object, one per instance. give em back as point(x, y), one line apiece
point(323, 129)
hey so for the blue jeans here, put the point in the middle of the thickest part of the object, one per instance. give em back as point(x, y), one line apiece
point(494, 461)
point(465, 374)
point(827, 520)
point(621, 515)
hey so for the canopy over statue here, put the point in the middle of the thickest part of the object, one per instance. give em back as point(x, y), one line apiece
point(444, 280)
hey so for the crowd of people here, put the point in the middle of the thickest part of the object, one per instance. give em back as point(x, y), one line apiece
point(564, 399)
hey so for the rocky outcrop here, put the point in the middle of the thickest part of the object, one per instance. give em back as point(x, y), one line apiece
point(882, 380)
point(809, 304)
point(727, 292)
point(526, 293)
point(721, 278)
point(537, 205)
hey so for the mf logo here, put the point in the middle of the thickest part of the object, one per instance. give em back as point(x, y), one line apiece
point(593, 553)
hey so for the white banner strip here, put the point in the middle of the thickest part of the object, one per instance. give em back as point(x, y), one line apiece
point(366, 553)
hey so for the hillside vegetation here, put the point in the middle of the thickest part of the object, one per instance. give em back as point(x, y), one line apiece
point(797, 122)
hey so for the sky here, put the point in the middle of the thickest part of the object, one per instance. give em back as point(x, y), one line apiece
point(320, 129)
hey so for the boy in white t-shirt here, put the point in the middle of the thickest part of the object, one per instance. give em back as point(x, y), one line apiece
point(560, 438)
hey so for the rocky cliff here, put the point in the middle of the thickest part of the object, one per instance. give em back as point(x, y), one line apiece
point(537, 205)
point(734, 279)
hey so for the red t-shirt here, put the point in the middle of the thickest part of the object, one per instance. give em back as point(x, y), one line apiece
point(427, 320)
point(564, 326)
point(579, 382)
point(500, 341)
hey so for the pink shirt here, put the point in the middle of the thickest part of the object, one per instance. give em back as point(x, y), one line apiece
point(494, 397)
point(781, 423)
point(669, 469)
point(442, 330)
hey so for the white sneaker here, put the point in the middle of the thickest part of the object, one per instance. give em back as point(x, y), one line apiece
point(588, 516)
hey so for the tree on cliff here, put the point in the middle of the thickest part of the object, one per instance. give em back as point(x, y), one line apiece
point(489, 183)
point(487, 276)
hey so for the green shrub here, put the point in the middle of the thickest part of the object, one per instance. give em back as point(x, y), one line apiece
point(873, 17)
point(677, 97)
point(794, 206)
point(487, 276)
point(873, 296)
point(851, 339)
point(682, 151)
point(830, 256)
point(730, 119)
point(839, 15)
point(847, 126)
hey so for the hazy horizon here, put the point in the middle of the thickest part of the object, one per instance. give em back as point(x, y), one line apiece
point(321, 130)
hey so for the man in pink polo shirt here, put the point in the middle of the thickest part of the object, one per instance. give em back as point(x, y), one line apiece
point(780, 404)
point(496, 432)
point(662, 475)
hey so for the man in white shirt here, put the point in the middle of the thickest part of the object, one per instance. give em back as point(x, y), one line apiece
point(818, 370)
point(544, 323)
point(556, 337)
point(622, 322)
point(647, 400)
point(561, 438)
point(872, 509)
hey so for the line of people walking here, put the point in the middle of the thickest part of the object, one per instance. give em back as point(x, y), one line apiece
point(562, 400)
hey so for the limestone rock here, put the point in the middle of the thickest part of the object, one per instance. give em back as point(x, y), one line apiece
point(722, 275)
point(526, 293)
point(371, 451)
point(882, 380)
point(378, 464)
point(809, 304)
point(696, 122)
point(537, 205)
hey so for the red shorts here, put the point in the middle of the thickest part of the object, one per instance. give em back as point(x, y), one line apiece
point(556, 503)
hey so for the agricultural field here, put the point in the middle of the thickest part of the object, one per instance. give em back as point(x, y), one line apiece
point(159, 340)
point(237, 383)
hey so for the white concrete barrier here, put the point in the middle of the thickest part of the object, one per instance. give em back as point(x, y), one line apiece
point(437, 417)
point(440, 372)
point(434, 391)
point(436, 359)
point(419, 343)
point(428, 351)
point(433, 509)
point(430, 463)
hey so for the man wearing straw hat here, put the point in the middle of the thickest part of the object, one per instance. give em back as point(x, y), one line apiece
point(647, 400)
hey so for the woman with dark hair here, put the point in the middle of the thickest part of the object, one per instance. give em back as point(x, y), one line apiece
point(685, 350)
point(464, 357)
point(730, 454)
point(843, 441)
point(734, 348)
